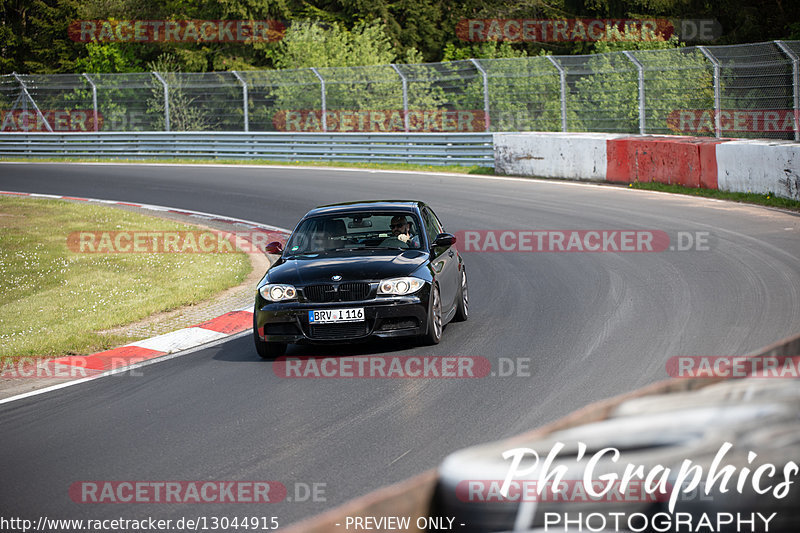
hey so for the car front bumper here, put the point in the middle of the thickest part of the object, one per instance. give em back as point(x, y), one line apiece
point(384, 317)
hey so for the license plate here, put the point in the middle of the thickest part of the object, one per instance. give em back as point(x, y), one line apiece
point(329, 316)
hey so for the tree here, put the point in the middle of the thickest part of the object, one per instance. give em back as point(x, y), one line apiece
point(184, 113)
point(606, 97)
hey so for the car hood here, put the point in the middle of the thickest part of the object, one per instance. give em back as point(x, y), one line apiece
point(369, 265)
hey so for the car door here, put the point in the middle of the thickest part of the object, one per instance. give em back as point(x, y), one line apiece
point(443, 261)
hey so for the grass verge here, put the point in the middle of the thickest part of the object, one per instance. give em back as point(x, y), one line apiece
point(54, 301)
point(768, 200)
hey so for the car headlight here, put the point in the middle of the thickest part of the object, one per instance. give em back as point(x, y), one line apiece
point(400, 286)
point(275, 292)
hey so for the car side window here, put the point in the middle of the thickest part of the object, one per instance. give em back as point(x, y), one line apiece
point(436, 221)
point(432, 228)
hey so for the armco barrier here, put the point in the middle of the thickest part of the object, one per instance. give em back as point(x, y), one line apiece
point(731, 165)
point(421, 148)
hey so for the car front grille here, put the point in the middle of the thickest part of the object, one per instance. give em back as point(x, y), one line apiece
point(347, 330)
point(344, 292)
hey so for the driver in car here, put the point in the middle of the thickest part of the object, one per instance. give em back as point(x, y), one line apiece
point(401, 234)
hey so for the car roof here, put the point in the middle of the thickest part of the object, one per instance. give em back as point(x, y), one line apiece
point(409, 206)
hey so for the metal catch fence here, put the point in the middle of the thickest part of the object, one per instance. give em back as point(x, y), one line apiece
point(750, 90)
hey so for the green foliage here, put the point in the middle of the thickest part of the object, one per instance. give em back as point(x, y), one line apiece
point(106, 58)
point(34, 37)
point(310, 44)
point(487, 50)
point(370, 35)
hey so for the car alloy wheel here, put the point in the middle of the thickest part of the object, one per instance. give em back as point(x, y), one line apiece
point(462, 309)
point(435, 318)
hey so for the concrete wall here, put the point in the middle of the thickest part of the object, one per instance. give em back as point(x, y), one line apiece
point(760, 167)
point(575, 156)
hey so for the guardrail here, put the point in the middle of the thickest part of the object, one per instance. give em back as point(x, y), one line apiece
point(422, 148)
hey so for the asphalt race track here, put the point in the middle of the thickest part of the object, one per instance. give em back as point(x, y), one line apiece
point(592, 324)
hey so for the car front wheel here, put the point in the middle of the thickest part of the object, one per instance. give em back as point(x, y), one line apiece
point(462, 310)
point(435, 324)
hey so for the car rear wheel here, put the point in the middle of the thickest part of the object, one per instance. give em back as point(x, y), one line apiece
point(462, 309)
point(267, 350)
point(435, 324)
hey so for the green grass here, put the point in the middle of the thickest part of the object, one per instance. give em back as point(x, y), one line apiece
point(470, 169)
point(769, 200)
point(54, 301)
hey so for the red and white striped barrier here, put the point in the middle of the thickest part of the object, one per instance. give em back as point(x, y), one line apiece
point(726, 164)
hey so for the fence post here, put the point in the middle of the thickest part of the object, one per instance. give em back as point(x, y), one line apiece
point(640, 68)
point(166, 100)
point(244, 100)
point(795, 85)
point(324, 103)
point(562, 74)
point(478, 66)
point(94, 99)
point(405, 95)
point(33, 103)
point(717, 93)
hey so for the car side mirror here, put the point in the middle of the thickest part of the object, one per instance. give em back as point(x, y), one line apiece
point(274, 248)
point(444, 239)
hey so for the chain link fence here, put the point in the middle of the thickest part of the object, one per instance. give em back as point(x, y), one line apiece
point(750, 90)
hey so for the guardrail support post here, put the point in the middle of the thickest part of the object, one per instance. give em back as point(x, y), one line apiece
point(483, 72)
point(562, 74)
point(166, 99)
point(244, 100)
point(33, 102)
point(405, 95)
point(94, 99)
point(640, 68)
point(717, 92)
point(324, 103)
point(795, 85)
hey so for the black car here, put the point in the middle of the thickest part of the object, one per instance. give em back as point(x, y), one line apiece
point(361, 270)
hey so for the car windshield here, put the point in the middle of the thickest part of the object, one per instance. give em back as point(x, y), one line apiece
point(355, 231)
